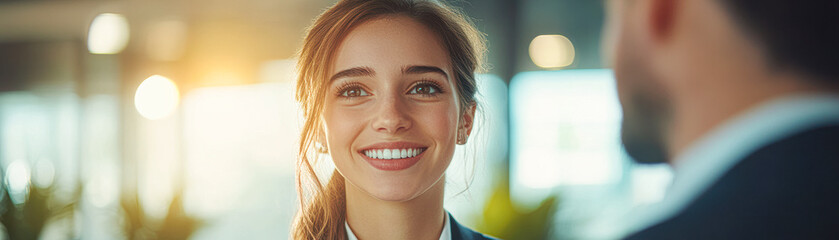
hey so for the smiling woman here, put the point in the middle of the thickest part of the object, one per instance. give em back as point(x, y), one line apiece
point(388, 89)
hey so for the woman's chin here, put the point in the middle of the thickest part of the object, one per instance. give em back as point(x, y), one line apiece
point(394, 193)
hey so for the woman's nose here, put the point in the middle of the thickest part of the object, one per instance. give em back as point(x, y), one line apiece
point(391, 116)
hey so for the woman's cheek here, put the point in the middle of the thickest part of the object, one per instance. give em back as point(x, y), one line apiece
point(441, 120)
point(340, 126)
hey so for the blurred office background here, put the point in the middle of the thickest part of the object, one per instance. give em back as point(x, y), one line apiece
point(129, 119)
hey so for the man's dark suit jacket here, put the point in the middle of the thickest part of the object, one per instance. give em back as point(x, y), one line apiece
point(788, 189)
point(459, 232)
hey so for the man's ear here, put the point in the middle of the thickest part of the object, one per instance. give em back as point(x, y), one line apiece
point(467, 120)
point(661, 18)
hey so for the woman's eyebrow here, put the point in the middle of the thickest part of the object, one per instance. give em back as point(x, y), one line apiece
point(354, 72)
point(423, 69)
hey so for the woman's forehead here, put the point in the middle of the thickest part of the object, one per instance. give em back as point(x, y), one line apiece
point(388, 44)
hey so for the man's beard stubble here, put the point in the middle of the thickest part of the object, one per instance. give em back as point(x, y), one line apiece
point(643, 129)
point(646, 110)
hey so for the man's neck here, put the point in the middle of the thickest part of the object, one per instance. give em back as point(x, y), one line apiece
point(696, 117)
point(419, 218)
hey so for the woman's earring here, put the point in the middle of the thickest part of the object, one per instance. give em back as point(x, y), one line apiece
point(461, 137)
point(321, 148)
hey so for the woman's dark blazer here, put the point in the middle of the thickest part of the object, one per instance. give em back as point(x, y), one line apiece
point(459, 232)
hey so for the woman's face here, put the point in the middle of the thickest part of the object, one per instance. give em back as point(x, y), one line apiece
point(391, 110)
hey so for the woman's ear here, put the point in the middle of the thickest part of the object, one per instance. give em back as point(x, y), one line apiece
point(467, 120)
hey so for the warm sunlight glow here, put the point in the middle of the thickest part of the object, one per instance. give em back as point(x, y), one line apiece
point(108, 34)
point(166, 40)
point(156, 97)
point(552, 51)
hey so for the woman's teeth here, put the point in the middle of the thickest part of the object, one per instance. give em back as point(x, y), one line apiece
point(393, 153)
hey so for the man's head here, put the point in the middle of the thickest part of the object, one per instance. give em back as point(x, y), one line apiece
point(684, 66)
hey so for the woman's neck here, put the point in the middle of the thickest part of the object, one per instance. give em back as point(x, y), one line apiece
point(419, 218)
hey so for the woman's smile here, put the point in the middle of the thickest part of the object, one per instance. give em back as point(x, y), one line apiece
point(392, 156)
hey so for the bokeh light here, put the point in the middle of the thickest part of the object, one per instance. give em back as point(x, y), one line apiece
point(44, 174)
point(17, 180)
point(108, 34)
point(101, 188)
point(156, 97)
point(565, 128)
point(552, 51)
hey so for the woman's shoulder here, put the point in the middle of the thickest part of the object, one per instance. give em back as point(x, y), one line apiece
point(460, 232)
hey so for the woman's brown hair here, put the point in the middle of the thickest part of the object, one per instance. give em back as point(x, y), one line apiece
point(322, 208)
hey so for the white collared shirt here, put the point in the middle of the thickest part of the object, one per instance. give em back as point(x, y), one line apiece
point(446, 234)
point(707, 159)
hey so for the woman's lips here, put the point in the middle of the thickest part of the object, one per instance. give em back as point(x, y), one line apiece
point(393, 164)
point(393, 156)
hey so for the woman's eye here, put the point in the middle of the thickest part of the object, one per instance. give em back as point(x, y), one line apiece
point(354, 92)
point(424, 89)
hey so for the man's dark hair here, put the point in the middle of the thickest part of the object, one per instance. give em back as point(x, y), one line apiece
point(797, 35)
